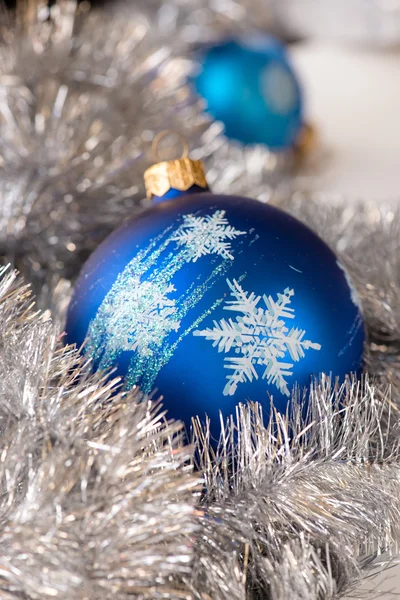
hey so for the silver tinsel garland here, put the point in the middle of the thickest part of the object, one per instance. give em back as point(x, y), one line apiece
point(82, 96)
point(96, 500)
point(99, 495)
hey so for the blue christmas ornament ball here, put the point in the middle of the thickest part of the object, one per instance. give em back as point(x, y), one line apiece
point(214, 300)
point(253, 90)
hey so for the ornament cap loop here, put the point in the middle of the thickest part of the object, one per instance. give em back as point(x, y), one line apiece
point(180, 174)
point(162, 135)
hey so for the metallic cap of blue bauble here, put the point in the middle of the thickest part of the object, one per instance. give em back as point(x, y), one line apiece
point(214, 300)
point(252, 89)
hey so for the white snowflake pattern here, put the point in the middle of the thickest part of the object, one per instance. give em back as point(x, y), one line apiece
point(210, 234)
point(260, 337)
point(140, 316)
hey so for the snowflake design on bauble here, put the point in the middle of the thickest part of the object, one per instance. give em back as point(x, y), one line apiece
point(210, 234)
point(259, 337)
point(140, 315)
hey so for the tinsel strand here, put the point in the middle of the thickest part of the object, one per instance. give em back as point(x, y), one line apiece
point(321, 489)
point(96, 498)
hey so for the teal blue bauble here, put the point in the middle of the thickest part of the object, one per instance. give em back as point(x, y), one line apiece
point(213, 300)
point(253, 90)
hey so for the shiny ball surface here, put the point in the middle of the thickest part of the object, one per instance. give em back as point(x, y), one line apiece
point(214, 300)
point(252, 89)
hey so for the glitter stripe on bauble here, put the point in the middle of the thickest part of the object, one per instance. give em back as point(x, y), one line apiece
point(137, 314)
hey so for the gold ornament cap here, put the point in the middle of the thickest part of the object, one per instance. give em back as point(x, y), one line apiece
point(179, 174)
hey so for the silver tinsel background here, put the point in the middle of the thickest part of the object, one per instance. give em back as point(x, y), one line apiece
point(100, 498)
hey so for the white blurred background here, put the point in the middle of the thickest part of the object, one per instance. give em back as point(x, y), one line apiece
point(353, 96)
point(349, 62)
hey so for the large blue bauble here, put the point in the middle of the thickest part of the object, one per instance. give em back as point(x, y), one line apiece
point(214, 300)
point(252, 89)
